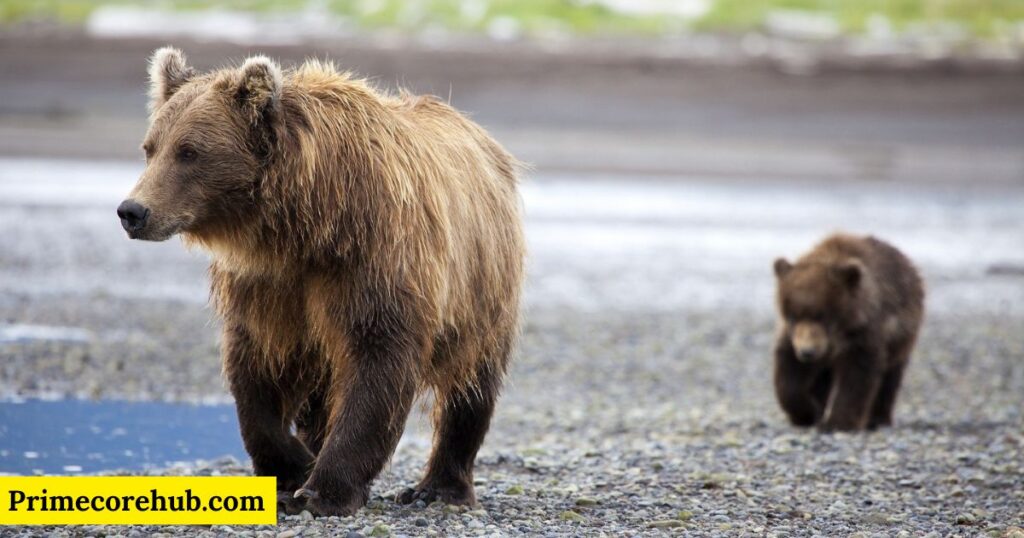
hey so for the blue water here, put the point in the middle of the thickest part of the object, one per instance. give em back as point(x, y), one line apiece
point(78, 437)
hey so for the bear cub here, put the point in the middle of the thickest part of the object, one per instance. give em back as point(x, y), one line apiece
point(849, 314)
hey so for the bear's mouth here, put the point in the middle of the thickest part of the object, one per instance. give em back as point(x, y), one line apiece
point(156, 231)
point(143, 235)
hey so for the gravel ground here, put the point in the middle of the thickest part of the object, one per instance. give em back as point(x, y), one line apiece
point(641, 401)
point(665, 423)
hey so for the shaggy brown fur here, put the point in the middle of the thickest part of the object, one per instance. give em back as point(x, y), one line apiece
point(849, 311)
point(365, 248)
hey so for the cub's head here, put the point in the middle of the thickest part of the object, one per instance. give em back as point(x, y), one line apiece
point(209, 137)
point(819, 303)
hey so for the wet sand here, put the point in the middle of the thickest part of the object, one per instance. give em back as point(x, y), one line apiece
point(574, 109)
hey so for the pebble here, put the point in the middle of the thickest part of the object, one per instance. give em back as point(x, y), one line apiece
point(569, 515)
point(966, 519)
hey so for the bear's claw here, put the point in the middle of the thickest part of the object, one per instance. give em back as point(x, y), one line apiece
point(318, 505)
point(289, 504)
point(306, 494)
point(429, 494)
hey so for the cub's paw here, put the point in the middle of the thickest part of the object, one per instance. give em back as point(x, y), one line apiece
point(827, 427)
point(875, 424)
point(460, 494)
point(319, 505)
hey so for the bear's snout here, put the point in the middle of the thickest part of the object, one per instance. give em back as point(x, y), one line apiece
point(810, 341)
point(806, 354)
point(133, 216)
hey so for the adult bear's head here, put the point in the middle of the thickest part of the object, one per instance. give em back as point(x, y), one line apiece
point(210, 137)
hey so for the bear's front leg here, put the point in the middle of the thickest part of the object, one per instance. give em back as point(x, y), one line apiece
point(857, 380)
point(793, 383)
point(374, 390)
point(264, 405)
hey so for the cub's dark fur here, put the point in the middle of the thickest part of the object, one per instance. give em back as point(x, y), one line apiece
point(850, 311)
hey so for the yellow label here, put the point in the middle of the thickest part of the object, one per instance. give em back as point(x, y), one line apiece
point(138, 500)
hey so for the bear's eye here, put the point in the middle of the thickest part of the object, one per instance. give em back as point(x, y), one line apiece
point(187, 154)
point(147, 149)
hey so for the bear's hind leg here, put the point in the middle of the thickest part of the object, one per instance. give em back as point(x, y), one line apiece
point(881, 411)
point(311, 422)
point(857, 381)
point(462, 417)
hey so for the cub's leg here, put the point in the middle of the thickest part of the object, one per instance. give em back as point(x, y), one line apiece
point(858, 377)
point(820, 389)
point(462, 416)
point(371, 394)
point(881, 411)
point(793, 386)
point(266, 404)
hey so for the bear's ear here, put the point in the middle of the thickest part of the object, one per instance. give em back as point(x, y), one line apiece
point(168, 72)
point(782, 267)
point(258, 90)
point(849, 272)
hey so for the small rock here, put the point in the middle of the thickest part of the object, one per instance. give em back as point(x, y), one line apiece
point(354, 534)
point(966, 519)
point(586, 501)
point(684, 515)
point(569, 515)
point(514, 490)
point(305, 515)
point(421, 522)
point(665, 524)
point(286, 534)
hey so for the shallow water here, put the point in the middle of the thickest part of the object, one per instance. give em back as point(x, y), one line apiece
point(595, 243)
point(75, 436)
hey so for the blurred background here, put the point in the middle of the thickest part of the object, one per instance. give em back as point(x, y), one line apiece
point(677, 147)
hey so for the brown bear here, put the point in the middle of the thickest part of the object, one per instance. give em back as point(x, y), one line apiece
point(365, 248)
point(850, 310)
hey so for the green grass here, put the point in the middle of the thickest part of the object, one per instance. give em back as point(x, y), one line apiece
point(985, 18)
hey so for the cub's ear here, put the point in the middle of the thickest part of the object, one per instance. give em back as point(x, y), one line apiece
point(168, 72)
point(258, 91)
point(782, 267)
point(849, 272)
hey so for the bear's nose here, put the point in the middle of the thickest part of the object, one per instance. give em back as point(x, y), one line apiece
point(133, 215)
point(806, 354)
